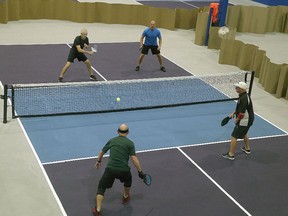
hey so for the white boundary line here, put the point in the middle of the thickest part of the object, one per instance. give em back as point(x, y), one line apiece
point(163, 149)
point(188, 4)
point(214, 182)
point(92, 67)
point(40, 164)
point(42, 169)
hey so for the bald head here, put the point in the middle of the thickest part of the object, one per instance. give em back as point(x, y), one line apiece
point(152, 24)
point(123, 130)
point(83, 33)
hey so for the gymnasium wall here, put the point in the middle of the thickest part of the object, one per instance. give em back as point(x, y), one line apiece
point(12, 10)
point(273, 77)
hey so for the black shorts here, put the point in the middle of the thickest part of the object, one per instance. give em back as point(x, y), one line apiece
point(109, 177)
point(240, 131)
point(154, 50)
point(72, 55)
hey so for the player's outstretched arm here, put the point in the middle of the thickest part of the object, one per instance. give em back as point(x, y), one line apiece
point(136, 163)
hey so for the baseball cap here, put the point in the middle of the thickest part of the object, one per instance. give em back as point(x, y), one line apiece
point(241, 85)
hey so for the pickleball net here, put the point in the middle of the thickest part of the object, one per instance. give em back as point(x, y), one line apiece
point(48, 99)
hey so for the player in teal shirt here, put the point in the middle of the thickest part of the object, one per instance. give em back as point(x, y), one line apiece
point(151, 35)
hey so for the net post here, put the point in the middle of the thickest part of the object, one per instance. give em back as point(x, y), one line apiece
point(251, 83)
point(208, 27)
point(12, 101)
point(5, 97)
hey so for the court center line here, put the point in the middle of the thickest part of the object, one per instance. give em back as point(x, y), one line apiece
point(92, 67)
point(214, 182)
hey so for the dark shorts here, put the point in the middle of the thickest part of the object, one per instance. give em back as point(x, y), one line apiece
point(154, 50)
point(240, 131)
point(72, 55)
point(109, 177)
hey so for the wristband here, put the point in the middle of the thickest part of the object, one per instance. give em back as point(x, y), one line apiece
point(98, 161)
point(141, 174)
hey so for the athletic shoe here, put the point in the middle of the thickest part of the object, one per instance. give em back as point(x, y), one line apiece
point(227, 156)
point(248, 152)
point(60, 79)
point(124, 200)
point(95, 212)
point(163, 69)
point(137, 68)
point(92, 77)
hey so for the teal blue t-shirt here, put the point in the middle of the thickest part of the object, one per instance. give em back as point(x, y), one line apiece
point(151, 36)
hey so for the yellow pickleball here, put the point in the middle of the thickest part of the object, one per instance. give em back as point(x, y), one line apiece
point(118, 99)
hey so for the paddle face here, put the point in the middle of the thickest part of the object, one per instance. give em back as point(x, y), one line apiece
point(94, 48)
point(225, 121)
point(147, 179)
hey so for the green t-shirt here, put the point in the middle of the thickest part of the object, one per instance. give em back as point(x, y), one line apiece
point(121, 148)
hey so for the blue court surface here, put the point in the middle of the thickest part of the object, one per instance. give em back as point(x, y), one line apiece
point(175, 146)
point(81, 136)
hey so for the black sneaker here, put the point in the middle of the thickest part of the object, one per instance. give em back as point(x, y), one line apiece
point(163, 69)
point(92, 77)
point(248, 152)
point(227, 156)
point(137, 68)
point(60, 79)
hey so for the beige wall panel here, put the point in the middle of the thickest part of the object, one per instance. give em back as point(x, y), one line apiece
point(264, 69)
point(230, 51)
point(186, 19)
point(163, 16)
point(246, 56)
point(272, 76)
point(258, 58)
point(275, 20)
point(3, 12)
point(283, 82)
point(233, 16)
point(201, 26)
point(253, 19)
point(13, 7)
point(88, 12)
point(257, 19)
point(285, 25)
point(214, 41)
